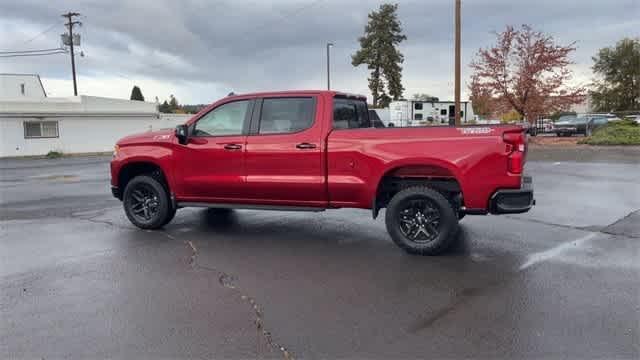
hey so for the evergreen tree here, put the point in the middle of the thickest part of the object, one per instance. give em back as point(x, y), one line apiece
point(173, 103)
point(378, 50)
point(136, 94)
point(164, 107)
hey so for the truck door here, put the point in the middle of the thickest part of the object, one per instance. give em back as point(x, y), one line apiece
point(284, 156)
point(212, 162)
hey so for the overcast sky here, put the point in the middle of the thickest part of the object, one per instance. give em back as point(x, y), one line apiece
point(200, 50)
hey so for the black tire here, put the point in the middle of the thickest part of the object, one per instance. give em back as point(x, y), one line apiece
point(170, 216)
point(403, 209)
point(146, 203)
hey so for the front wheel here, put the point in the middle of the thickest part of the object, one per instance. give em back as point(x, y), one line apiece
point(421, 221)
point(146, 203)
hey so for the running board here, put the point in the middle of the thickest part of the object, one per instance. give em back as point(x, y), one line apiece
point(250, 207)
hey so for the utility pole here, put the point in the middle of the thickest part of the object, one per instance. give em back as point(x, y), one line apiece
point(457, 65)
point(329, 45)
point(70, 24)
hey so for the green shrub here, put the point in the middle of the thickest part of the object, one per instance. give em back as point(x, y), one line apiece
point(54, 154)
point(624, 132)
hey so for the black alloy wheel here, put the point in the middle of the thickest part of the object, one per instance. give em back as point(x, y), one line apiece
point(421, 221)
point(146, 203)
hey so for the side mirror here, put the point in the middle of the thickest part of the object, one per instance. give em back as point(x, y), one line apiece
point(182, 133)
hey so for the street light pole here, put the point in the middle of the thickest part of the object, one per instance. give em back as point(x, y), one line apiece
point(457, 65)
point(329, 45)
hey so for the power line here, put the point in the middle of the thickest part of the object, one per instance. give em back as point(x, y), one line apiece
point(28, 51)
point(38, 35)
point(34, 54)
point(41, 33)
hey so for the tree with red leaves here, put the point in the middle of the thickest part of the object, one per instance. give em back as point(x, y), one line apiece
point(482, 100)
point(526, 72)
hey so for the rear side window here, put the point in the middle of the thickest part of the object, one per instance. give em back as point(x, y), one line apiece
point(350, 114)
point(286, 115)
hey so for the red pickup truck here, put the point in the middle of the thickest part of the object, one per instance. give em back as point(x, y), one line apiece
point(317, 150)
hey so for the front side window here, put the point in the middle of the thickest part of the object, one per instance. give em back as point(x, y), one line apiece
point(286, 115)
point(225, 120)
point(41, 129)
point(350, 114)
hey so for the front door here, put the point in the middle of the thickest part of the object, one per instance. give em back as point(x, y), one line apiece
point(212, 162)
point(284, 161)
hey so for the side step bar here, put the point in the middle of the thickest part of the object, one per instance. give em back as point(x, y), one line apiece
point(250, 207)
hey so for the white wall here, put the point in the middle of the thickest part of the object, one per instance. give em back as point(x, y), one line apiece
point(78, 134)
point(10, 86)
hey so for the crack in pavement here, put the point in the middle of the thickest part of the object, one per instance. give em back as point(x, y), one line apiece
point(229, 281)
point(224, 279)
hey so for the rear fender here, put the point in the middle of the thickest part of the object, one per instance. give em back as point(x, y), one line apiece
point(421, 168)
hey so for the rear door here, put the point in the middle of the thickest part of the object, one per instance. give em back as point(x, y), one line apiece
point(284, 155)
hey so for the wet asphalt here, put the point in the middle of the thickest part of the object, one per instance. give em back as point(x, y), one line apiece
point(78, 281)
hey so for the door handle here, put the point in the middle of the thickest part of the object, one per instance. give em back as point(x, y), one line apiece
point(306, 146)
point(232, 147)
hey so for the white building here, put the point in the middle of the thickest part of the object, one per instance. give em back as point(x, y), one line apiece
point(426, 113)
point(21, 86)
point(79, 124)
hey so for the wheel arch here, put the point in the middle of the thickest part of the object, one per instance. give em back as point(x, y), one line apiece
point(139, 167)
point(435, 173)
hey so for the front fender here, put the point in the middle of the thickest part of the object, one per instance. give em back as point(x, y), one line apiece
point(160, 156)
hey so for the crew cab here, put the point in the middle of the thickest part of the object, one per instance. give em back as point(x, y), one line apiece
point(318, 150)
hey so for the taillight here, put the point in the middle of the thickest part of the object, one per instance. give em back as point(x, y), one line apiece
point(516, 147)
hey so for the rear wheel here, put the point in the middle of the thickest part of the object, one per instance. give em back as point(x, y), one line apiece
point(421, 221)
point(146, 203)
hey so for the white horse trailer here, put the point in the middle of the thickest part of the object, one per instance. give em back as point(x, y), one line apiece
point(426, 113)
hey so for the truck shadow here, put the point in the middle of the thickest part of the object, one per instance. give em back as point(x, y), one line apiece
point(279, 228)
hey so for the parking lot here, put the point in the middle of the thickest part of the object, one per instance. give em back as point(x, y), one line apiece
point(76, 278)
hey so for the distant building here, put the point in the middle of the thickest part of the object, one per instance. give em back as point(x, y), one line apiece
point(32, 124)
point(19, 86)
point(583, 107)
